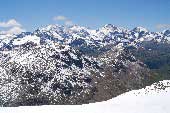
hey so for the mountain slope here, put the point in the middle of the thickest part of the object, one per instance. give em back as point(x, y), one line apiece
point(51, 73)
point(152, 99)
point(34, 75)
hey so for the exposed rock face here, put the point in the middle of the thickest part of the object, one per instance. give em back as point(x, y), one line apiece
point(122, 73)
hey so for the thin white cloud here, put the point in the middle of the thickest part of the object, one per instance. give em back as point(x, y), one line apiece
point(163, 26)
point(13, 30)
point(11, 27)
point(10, 23)
point(60, 18)
point(64, 19)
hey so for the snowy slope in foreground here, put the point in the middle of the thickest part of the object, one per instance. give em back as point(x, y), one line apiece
point(149, 100)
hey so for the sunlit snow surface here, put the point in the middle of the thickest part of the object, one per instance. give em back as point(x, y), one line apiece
point(152, 99)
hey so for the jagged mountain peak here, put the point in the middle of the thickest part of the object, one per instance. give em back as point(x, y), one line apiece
point(77, 27)
point(82, 36)
point(109, 26)
point(51, 27)
point(166, 32)
point(140, 29)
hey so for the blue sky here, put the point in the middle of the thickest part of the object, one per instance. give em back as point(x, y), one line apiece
point(31, 14)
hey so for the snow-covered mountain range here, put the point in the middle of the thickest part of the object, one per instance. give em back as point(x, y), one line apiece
point(73, 65)
point(81, 36)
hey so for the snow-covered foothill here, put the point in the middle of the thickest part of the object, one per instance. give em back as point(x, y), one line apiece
point(151, 99)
